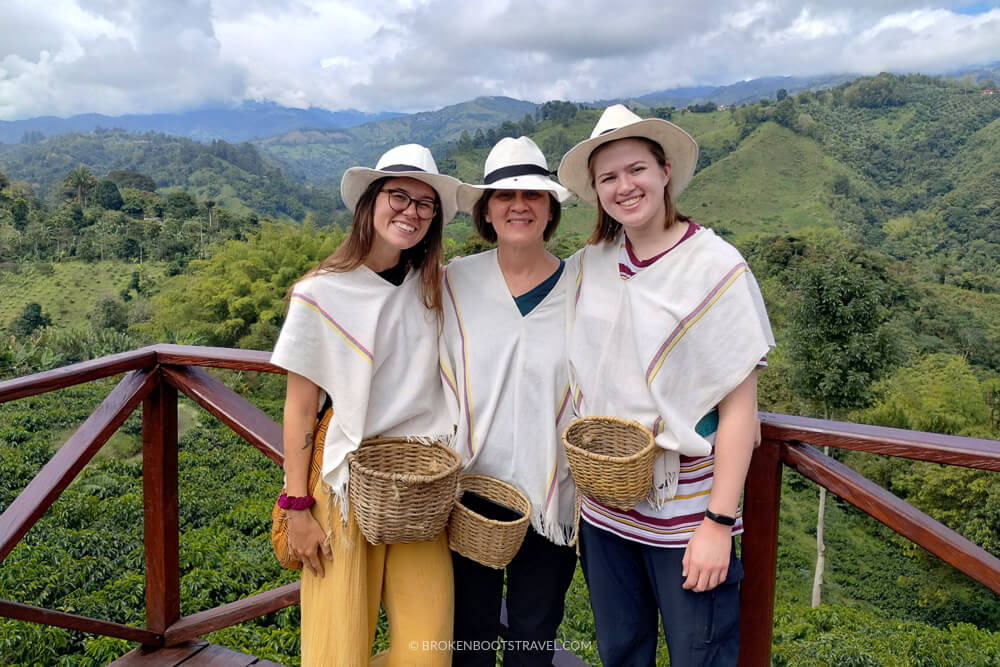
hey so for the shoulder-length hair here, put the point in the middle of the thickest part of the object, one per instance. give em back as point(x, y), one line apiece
point(607, 228)
point(489, 233)
point(426, 256)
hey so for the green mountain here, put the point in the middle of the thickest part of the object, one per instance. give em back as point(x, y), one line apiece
point(236, 176)
point(321, 156)
point(249, 120)
point(891, 182)
point(775, 182)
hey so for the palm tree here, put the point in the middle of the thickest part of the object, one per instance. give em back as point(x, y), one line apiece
point(209, 205)
point(80, 181)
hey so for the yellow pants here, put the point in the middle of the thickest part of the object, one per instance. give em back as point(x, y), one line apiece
point(340, 610)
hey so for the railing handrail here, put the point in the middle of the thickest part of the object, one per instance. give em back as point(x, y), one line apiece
point(156, 373)
point(145, 357)
point(918, 445)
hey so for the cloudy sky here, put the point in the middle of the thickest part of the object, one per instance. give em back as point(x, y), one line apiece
point(62, 57)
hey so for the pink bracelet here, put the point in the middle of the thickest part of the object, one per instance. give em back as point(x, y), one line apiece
point(287, 502)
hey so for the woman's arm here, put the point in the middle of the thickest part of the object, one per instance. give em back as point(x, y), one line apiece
point(305, 536)
point(706, 560)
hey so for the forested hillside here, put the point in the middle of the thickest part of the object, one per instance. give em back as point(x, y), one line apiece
point(321, 156)
point(869, 213)
point(234, 175)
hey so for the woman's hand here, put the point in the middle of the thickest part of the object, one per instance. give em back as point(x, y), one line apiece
point(706, 559)
point(306, 540)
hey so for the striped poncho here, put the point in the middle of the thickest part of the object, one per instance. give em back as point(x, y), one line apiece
point(506, 380)
point(664, 347)
point(373, 348)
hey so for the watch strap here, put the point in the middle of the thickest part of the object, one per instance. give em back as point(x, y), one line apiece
point(720, 518)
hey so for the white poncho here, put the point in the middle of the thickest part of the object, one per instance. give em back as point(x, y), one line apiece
point(373, 348)
point(506, 381)
point(664, 347)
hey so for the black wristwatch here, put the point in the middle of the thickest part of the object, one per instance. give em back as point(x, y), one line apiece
point(720, 518)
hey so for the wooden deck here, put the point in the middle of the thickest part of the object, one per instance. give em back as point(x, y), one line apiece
point(203, 654)
point(190, 654)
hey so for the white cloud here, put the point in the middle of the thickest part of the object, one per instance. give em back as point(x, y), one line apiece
point(120, 56)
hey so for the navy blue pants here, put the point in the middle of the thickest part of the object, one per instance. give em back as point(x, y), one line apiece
point(537, 581)
point(629, 582)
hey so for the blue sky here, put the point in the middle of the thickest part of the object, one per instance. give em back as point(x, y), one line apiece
point(63, 57)
point(974, 8)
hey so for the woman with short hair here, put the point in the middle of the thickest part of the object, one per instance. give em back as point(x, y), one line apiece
point(503, 357)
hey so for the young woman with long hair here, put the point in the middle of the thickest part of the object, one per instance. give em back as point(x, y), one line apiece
point(360, 344)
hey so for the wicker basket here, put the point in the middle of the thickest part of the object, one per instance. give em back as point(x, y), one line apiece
point(487, 541)
point(611, 459)
point(402, 491)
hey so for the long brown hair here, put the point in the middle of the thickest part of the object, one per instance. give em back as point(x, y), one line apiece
point(426, 256)
point(607, 228)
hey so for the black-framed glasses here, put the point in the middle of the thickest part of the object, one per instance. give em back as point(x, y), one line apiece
point(399, 201)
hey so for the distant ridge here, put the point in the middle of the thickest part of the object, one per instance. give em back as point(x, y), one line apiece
point(741, 92)
point(753, 90)
point(251, 120)
point(321, 156)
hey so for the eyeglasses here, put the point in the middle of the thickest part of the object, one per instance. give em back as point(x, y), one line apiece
point(399, 201)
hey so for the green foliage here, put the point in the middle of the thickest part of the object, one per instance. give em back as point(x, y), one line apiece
point(181, 205)
point(19, 213)
point(61, 298)
point(785, 114)
point(940, 394)
point(557, 111)
point(837, 343)
point(78, 183)
point(235, 175)
point(236, 299)
point(838, 636)
point(52, 348)
point(884, 90)
point(107, 196)
point(109, 313)
point(31, 318)
point(707, 107)
point(130, 179)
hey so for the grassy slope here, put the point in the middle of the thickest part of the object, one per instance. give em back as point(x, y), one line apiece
point(774, 182)
point(70, 292)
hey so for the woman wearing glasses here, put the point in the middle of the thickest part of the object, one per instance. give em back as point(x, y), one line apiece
point(505, 366)
point(360, 339)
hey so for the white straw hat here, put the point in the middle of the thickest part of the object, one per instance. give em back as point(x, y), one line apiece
point(513, 164)
point(406, 161)
point(618, 122)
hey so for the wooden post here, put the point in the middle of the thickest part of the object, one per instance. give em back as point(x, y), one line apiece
point(760, 554)
point(159, 482)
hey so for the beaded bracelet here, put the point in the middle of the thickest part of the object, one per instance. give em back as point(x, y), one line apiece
point(287, 502)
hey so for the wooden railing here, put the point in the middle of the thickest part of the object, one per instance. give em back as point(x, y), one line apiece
point(784, 443)
point(154, 375)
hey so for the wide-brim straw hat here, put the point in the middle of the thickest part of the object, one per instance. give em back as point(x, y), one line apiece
point(513, 164)
point(619, 122)
point(406, 161)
